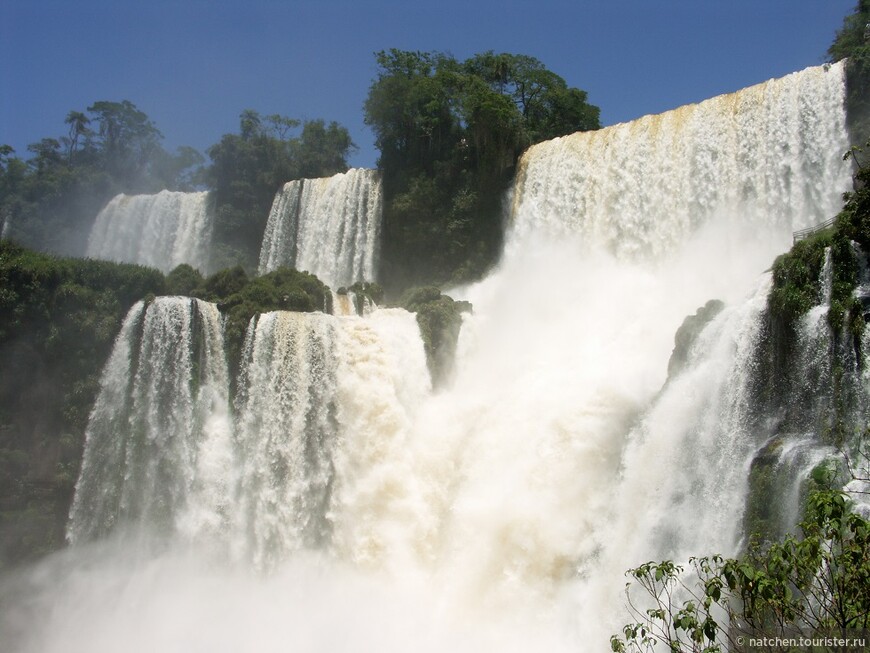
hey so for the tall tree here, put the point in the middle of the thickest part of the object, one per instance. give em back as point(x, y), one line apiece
point(248, 168)
point(853, 43)
point(78, 127)
point(127, 137)
point(450, 133)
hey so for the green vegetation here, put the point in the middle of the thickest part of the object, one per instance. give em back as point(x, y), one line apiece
point(767, 502)
point(58, 320)
point(183, 280)
point(440, 319)
point(374, 291)
point(817, 585)
point(853, 42)
point(51, 200)
point(450, 133)
point(240, 297)
point(248, 168)
point(796, 275)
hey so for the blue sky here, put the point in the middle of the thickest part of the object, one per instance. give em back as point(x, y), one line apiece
point(193, 65)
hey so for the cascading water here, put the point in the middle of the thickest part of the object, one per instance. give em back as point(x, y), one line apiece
point(502, 511)
point(329, 227)
point(351, 303)
point(161, 231)
point(287, 432)
point(161, 413)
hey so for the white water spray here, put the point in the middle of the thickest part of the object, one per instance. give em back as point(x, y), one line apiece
point(161, 231)
point(329, 227)
point(502, 511)
point(162, 408)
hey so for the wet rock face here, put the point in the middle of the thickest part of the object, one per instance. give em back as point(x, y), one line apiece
point(688, 332)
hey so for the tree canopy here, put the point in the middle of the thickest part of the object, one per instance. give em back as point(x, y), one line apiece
point(49, 200)
point(450, 133)
point(816, 587)
point(248, 168)
point(853, 43)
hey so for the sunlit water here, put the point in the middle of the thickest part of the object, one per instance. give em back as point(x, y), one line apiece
point(160, 231)
point(347, 507)
point(329, 227)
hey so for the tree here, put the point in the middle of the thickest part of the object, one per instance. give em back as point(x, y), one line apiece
point(127, 137)
point(852, 42)
point(248, 168)
point(78, 127)
point(814, 586)
point(852, 38)
point(450, 134)
point(549, 108)
point(47, 154)
point(321, 150)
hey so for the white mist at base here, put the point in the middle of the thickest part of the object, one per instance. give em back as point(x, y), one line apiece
point(500, 513)
point(101, 601)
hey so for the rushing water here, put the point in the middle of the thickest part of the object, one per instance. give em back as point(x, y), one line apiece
point(162, 408)
point(354, 508)
point(329, 227)
point(161, 231)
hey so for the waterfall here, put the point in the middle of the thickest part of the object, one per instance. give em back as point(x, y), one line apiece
point(329, 227)
point(161, 231)
point(499, 512)
point(574, 463)
point(287, 432)
point(316, 393)
point(351, 303)
point(768, 156)
point(150, 447)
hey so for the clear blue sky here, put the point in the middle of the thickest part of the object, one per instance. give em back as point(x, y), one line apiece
point(193, 65)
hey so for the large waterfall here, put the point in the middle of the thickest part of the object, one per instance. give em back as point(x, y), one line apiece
point(161, 231)
point(329, 227)
point(354, 508)
point(162, 413)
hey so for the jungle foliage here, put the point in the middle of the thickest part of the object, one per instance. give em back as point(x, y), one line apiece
point(58, 320)
point(49, 201)
point(797, 274)
point(814, 586)
point(450, 133)
point(853, 43)
point(440, 320)
point(248, 168)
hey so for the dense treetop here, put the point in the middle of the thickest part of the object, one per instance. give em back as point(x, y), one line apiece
point(450, 133)
point(853, 43)
point(248, 168)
